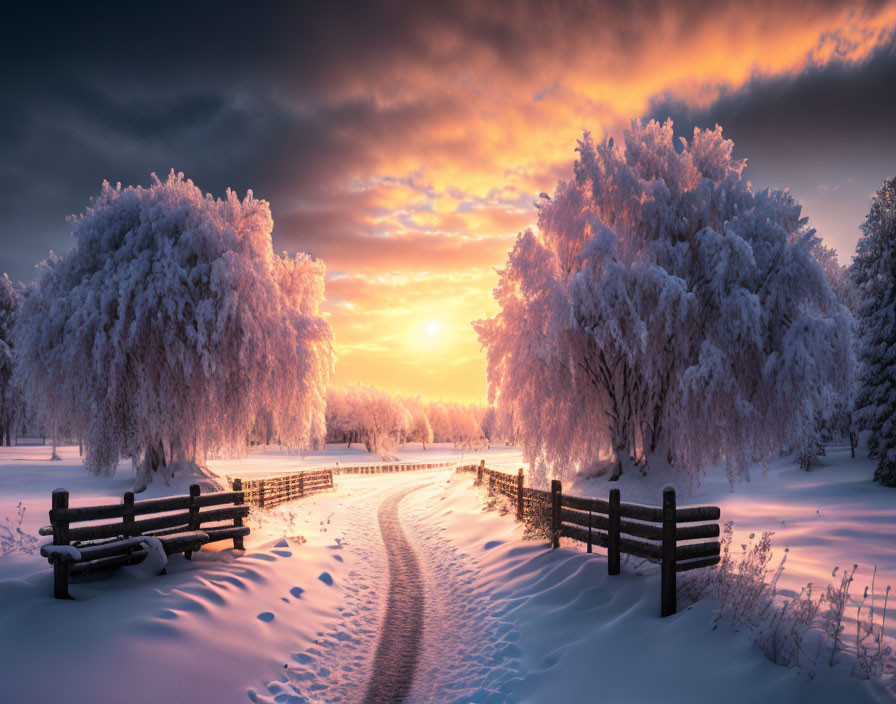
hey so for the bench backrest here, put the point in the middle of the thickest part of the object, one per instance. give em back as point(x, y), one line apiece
point(170, 513)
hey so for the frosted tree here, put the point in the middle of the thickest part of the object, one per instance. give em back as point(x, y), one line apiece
point(834, 416)
point(10, 397)
point(874, 271)
point(457, 423)
point(366, 414)
point(663, 314)
point(338, 417)
point(490, 426)
point(171, 325)
point(420, 429)
point(381, 419)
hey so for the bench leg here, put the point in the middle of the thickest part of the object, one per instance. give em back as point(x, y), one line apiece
point(60, 580)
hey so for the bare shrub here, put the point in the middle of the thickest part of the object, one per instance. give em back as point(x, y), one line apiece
point(872, 656)
point(12, 538)
point(794, 631)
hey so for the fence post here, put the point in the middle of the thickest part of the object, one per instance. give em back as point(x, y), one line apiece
point(491, 484)
point(556, 497)
point(330, 477)
point(613, 534)
point(479, 472)
point(590, 547)
point(238, 521)
point(60, 537)
point(301, 484)
point(127, 514)
point(519, 495)
point(668, 605)
point(261, 493)
point(194, 514)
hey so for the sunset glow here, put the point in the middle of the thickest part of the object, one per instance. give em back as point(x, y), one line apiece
point(413, 351)
point(412, 155)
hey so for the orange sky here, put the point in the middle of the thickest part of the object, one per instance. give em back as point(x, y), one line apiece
point(466, 138)
point(405, 142)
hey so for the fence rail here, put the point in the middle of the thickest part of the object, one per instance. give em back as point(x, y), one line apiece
point(274, 490)
point(392, 467)
point(650, 532)
point(267, 492)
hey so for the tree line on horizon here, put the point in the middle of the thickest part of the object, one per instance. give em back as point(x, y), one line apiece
point(383, 421)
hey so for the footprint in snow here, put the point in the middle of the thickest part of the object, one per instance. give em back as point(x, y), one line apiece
point(282, 543)
point(296, 592)
point(266, 616)
point(326, 578)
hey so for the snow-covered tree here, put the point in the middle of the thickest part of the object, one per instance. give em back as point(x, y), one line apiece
point(874, 271)
point(420, 429)
point(366, 414)
point(339, 417)
point(171, 325)
point(11, 402)
point(834, 416)
point(490, 426)
point(456, 423)
point(663, 314)
point(386, 421)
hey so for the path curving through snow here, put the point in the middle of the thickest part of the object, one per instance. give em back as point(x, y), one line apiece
point(401, 632)
point(413, 626)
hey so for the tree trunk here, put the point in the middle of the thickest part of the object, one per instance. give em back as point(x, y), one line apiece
point(55, 456)
point(617, 465)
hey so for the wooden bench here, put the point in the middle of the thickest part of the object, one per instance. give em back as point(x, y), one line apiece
point(176, 522)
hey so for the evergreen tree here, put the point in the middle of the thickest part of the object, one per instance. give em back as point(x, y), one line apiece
point(874, 271)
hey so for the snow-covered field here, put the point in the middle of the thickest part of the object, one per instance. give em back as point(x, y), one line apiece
point(296, 617)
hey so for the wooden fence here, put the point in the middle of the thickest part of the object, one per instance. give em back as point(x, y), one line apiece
point(680, 539)
point(391, 467)
point(267, 492)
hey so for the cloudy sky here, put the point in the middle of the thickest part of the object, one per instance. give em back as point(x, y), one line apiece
point(405, 143)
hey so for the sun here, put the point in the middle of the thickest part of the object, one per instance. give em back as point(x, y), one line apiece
point(431, 327)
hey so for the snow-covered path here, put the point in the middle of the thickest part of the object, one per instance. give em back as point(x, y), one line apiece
point(401, 631)
point(414, 627)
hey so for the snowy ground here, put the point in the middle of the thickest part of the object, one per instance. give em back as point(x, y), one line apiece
point(297, 618)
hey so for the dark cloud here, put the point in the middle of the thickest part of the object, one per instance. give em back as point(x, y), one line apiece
point(302, 100)
point(827, 133)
